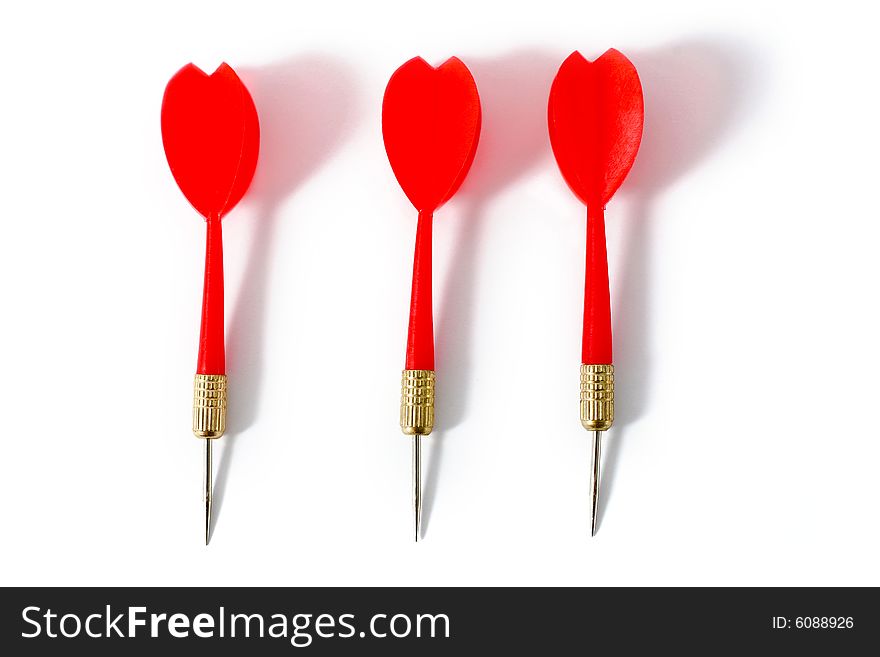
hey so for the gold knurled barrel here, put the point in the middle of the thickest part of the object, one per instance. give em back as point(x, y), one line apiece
point(209, 405)
point(597, 397)
point(417, 402)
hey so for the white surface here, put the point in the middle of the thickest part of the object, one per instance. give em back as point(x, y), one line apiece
point(744, 268)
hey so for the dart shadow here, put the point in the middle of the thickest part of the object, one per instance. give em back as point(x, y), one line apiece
point(305, 105)
point(513, 138)
point(696, 94)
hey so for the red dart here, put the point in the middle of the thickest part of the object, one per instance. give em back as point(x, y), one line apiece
point(211, 136)
point(596, 115)
point(431, 126)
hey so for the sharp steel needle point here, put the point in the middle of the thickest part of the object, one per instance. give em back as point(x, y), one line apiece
point(594, 479)
point(209, 477)
point(417, 484)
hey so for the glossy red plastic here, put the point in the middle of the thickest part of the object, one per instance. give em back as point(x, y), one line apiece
point(596, 117)
point(211, 135)
point(431, 127)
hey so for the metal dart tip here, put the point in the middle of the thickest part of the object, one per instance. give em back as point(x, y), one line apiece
point(594, 480)
point(417, 484)
point(209, 472)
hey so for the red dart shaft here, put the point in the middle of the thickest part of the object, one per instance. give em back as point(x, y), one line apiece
point(420, 339)
point(597, 297)
point(212, 352)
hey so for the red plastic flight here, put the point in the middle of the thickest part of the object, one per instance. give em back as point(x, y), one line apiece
point(211, 136)
point(431, 126)
point(596, 115)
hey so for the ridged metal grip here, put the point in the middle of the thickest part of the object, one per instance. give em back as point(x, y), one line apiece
point(597, 397)
point(417, 402)
point(209, 405)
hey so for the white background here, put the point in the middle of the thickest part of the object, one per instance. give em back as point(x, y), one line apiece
point(744, 264)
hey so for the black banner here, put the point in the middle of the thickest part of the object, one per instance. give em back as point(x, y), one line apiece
point(421, 621)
